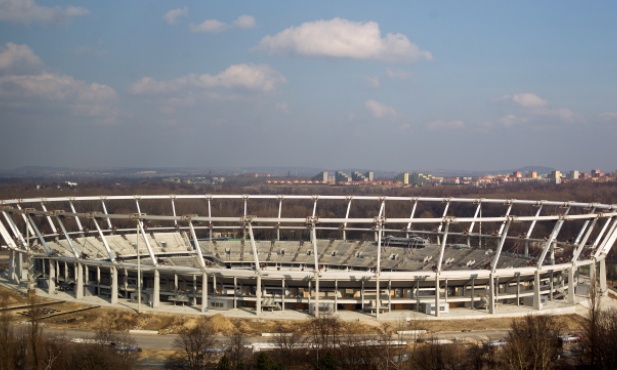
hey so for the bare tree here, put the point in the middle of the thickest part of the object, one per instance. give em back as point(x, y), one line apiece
point(600, 332)
point(533, 343)
point(236, 352)
point(433, 355)
point(196, 345)
point(323, 334)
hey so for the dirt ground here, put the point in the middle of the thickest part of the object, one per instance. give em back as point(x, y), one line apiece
point(92, 317)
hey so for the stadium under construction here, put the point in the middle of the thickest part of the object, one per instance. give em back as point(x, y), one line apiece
point(310, 253)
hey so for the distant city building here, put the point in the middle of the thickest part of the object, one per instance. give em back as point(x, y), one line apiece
point(357, 176)
point(533, 174)
point(341, 177)
point(322, 177)
point(596, 173)
point(403, 177)
point(574, 175)
point(555, 177)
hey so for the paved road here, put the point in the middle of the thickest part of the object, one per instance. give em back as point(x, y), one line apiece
point(163, 342)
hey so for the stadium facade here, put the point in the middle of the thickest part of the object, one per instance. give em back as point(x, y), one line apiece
point(309, 252)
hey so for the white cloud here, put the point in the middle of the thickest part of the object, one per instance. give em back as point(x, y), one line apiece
point(379, 110)
point(531, 109)
point(18, 57)
point(445, 125)
point(260, 78)
point(171, 17)
point(27, 11)
point(209, 25)
point(245, 21)
point(608, 116)
point(340, 38)
point(80, 97)
point(526, 100)
point(397, 74)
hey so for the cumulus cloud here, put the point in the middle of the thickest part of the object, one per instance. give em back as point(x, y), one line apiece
point(445, 125)
point(27, 11)
point(82, 98)
point(340, 38)
point(249, 77)
point(214, 25)
point(531, 109)
point(526, 100)
point(26, 84)
point(171, 17)
point(379, 110)
point(14, 57)
point(209, 25)
point(245, 21)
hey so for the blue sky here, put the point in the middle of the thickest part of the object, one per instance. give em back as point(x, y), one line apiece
point(397, 85)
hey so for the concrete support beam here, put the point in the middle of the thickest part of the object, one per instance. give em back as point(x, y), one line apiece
point(156, 295)
point(537, 302)
point(204, 292)
point(258, 296)
point(491, 294)
point(437, 296)
point(12, 264)
point(52, 277)
point(603, 285)
point(571, 283)
point(114, 285)
point(79, 281)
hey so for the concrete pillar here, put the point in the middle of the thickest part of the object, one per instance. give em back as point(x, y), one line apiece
point(114, 284)
point(390, 296)
point(603, 285)
point(418, 295)
point(283, 294)
point(52, 278)
point(551, 286)
point(20, 266)
point(473, 293)
point(571, 283)
point(491, 294)
point(204, 292)
point(125, 283)
point(66, 272)
point(362, 296)
point(235, 290)
point(12, 275)
point(79, 281)
point(518, 289)
point(156, 295)
point(537, 302)
point(335, 295)
point(258, 296)
point(98, 280)
point(377, 296)
point(436, 295)
point(194, 290)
